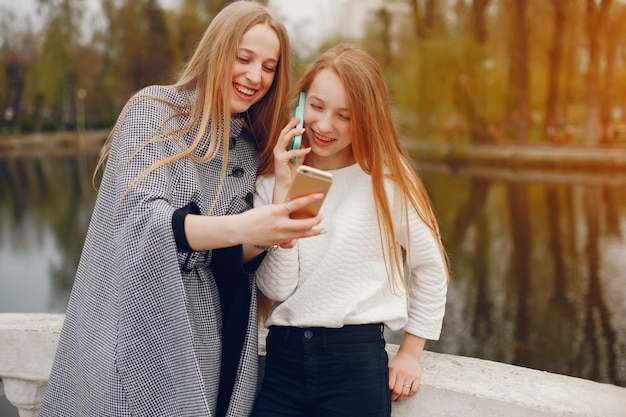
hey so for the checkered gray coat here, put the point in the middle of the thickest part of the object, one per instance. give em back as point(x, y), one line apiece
point(142, 332)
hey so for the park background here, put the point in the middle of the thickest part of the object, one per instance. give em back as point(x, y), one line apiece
point(458, 70)
point(537, 253)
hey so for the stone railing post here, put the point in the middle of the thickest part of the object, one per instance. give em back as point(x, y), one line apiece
point(27, 346)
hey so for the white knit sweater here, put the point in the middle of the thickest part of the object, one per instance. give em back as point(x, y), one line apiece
point(340, 278)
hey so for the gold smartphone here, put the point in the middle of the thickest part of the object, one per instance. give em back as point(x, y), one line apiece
point(309, 180)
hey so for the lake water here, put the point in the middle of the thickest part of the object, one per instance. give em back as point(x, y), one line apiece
point(538, 259)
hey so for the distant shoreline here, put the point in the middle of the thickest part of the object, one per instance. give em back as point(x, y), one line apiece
point(47, 144)
point(523, 156)
point(605, 159)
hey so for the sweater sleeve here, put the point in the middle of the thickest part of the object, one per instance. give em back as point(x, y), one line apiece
point(277, 276)
point(427, 280)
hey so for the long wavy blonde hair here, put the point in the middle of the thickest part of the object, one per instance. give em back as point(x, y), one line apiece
point(209, 74)
point(376, 144)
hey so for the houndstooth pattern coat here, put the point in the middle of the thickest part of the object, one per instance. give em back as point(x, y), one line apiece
point(142, 333)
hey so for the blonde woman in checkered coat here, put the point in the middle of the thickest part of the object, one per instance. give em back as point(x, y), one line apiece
point(162, 319)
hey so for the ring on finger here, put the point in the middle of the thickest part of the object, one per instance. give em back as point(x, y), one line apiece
point(407, 385)
point(288, 207)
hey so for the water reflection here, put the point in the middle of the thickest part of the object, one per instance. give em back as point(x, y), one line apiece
point(45, 206)
point(537, 258)
point(537, 267)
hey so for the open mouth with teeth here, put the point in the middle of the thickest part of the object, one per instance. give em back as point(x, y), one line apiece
point(322, 140)
point(243, 90)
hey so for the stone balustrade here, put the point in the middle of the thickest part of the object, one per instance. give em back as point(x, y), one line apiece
point(451, 385)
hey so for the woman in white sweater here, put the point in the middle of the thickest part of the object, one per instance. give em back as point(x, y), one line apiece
point(335, 292)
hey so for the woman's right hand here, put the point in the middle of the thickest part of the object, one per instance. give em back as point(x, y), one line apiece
point(271, 225)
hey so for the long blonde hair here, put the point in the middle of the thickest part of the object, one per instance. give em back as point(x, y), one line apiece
point(376, 143)
point(209, 74)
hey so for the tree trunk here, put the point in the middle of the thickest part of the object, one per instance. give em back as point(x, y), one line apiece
point(384, 18)
point(417, 19)
point(596, 20)
point(571, 40)
point(612, 40)
point(16, 75)
point(554, 71)
point(518, 117)
point(479, 27)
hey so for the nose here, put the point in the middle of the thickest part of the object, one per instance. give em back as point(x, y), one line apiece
point(254, 74)
point(325, 123)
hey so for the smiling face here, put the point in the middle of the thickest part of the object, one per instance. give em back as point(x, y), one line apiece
point(327, 121)
point(254, 68)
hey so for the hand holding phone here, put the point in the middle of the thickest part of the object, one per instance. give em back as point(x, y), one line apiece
point(309, 180)
point(297, 140)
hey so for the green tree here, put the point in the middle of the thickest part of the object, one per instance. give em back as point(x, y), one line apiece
point(188, 26)
point(471, 87)
point(133, 46)
point(56, 71)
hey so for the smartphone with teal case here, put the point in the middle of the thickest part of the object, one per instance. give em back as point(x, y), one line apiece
point(297, 140)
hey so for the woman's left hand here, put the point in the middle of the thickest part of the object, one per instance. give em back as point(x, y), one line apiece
point(405, 371)
point(405, 375)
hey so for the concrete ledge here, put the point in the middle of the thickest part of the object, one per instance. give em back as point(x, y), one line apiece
point(469, 387)
point(451, 385)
